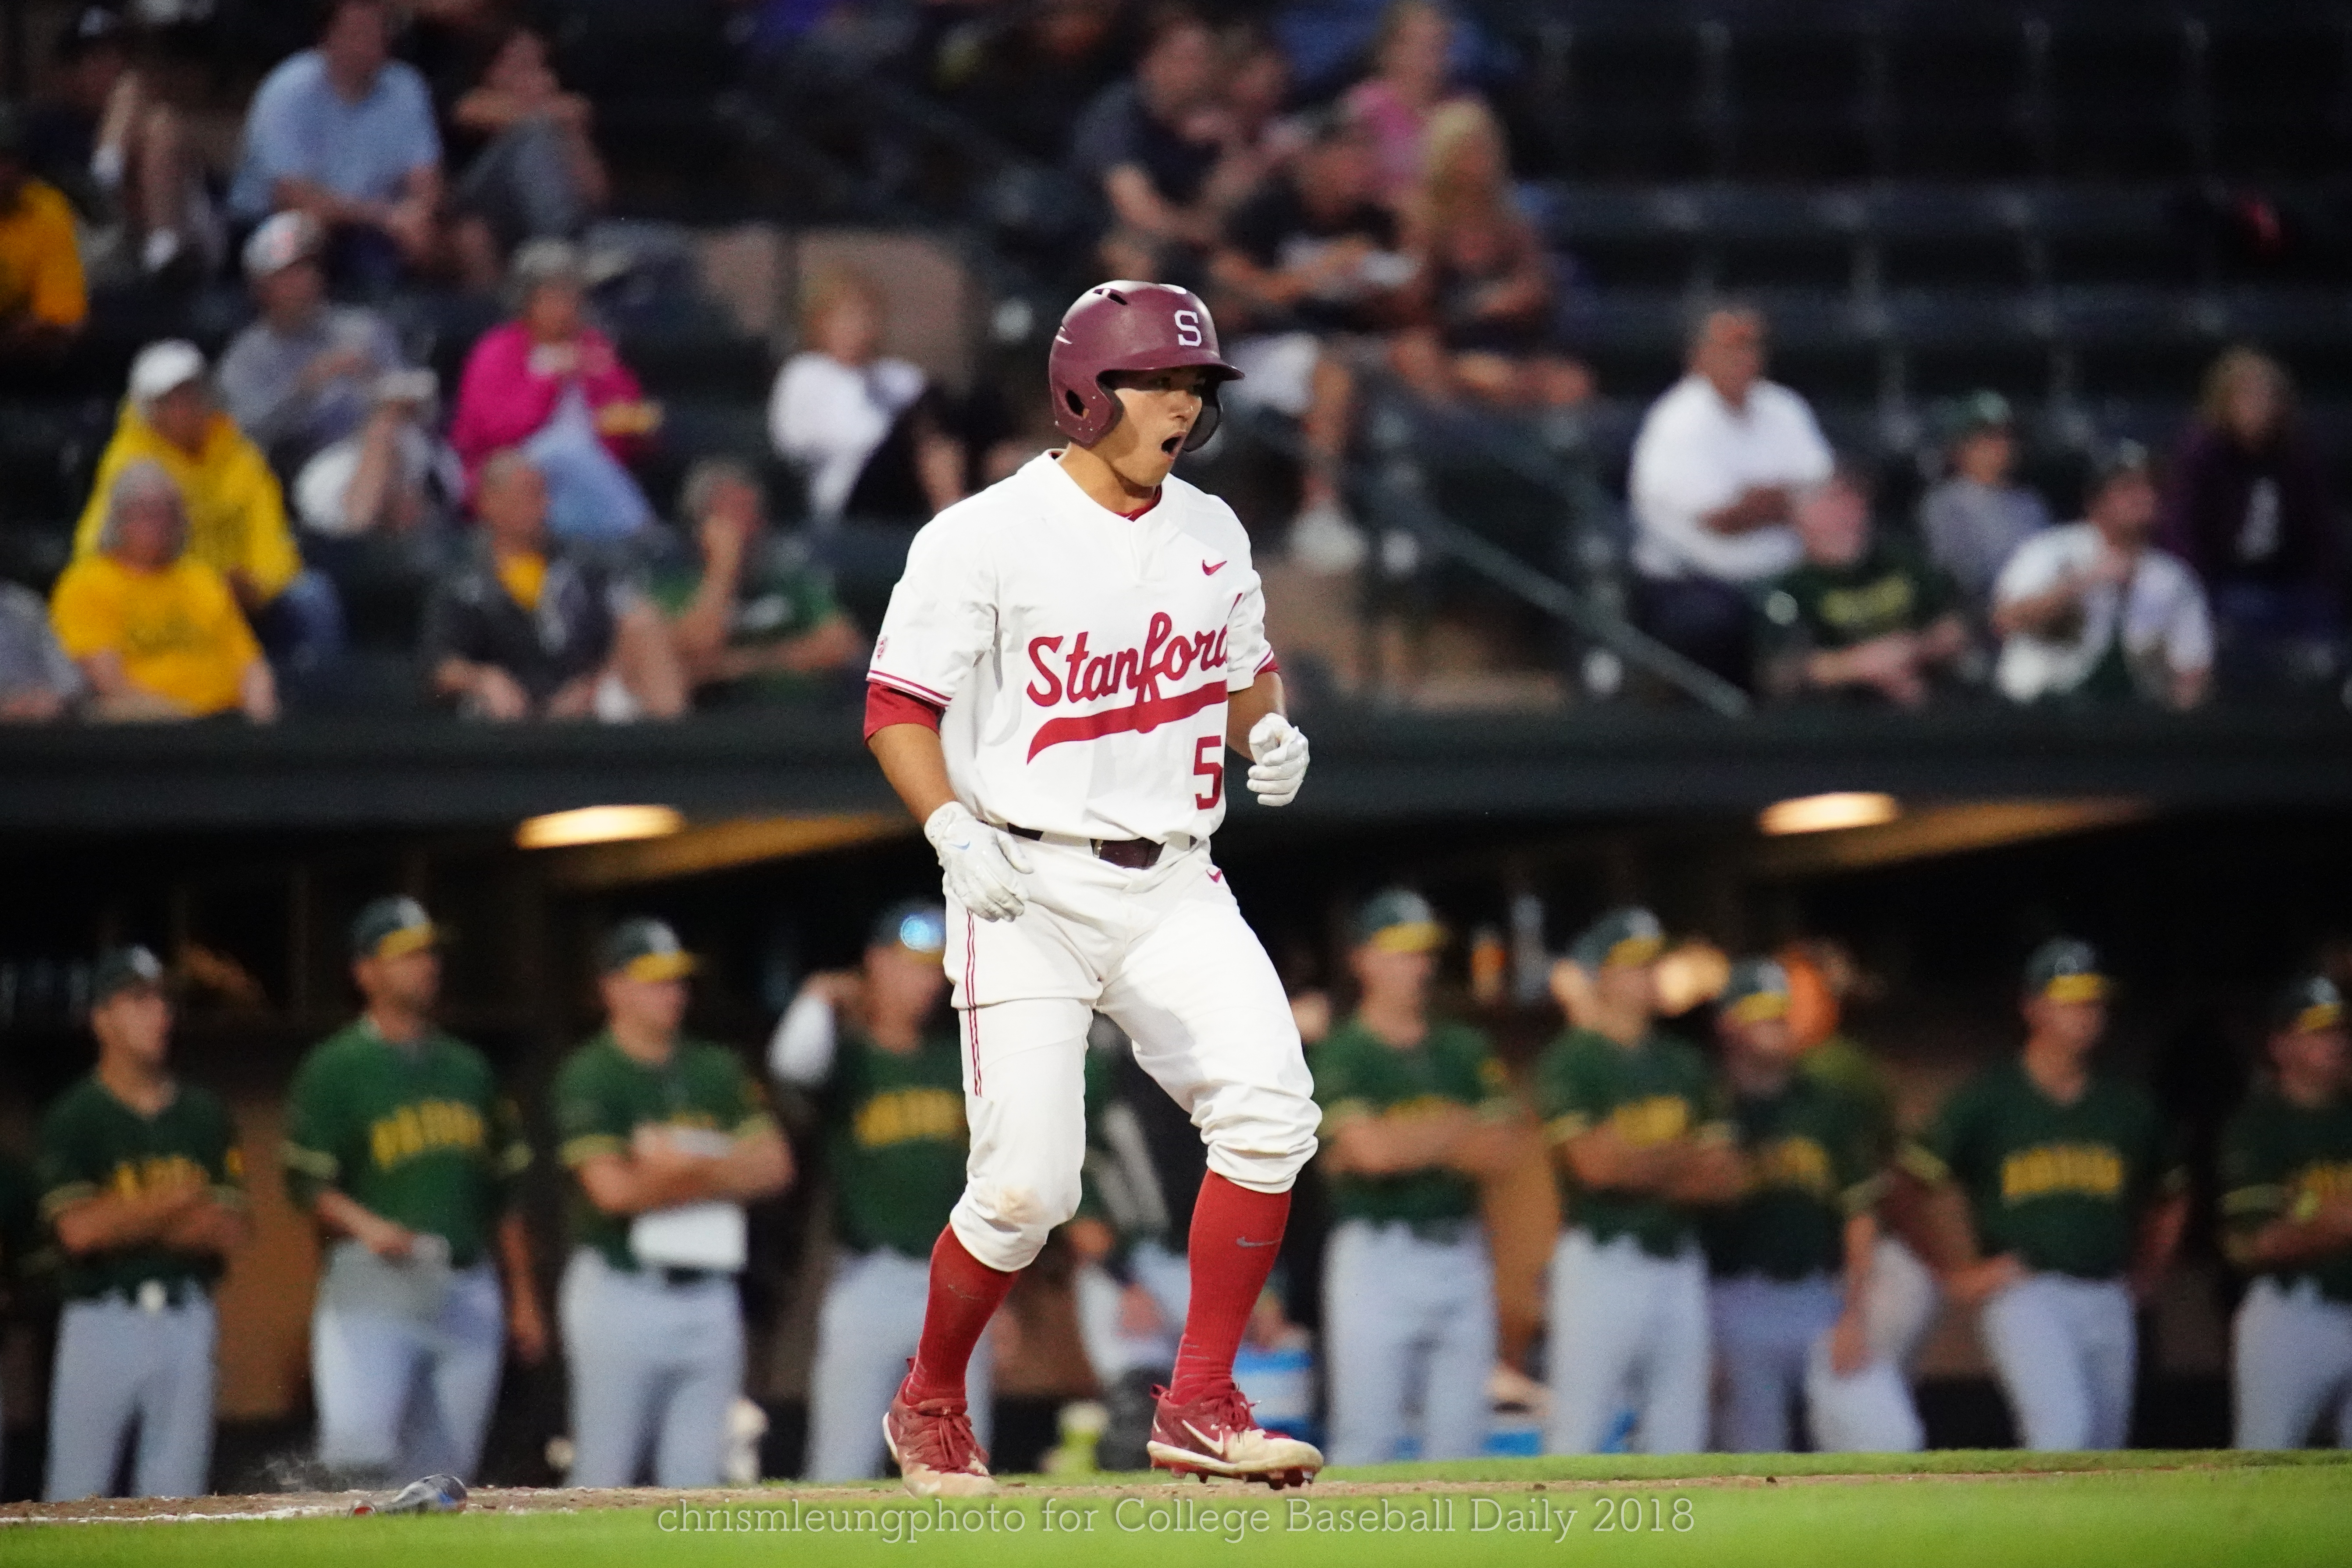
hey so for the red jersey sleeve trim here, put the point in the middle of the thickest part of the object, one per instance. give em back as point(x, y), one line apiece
point(911, 688)
point(886, 706)
point(1269, 665)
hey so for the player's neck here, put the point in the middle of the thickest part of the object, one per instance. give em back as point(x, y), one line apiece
point(1628, 1026)
point(1758, 1077)
point(2057, 1070)
point(647, 1045)
point(396, 1025)
point(145, 1088)
point(1102, 483)
point(899, 1036)
point(1401, 1022)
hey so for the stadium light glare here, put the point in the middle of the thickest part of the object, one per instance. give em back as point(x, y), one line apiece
point(598, 825)
point(1826, 813)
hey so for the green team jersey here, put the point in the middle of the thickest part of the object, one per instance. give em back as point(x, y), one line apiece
point(2281, 1160)
point(603, 1095)
point(418, 1134)
point(1809, 1148)
point(783, 595)
point(1891, 588)
point(2062, 1186)
point(1652, 1092)
point(895, 1141)
point(1359, 1074)
point(93, 1145)
point(1842, 1062)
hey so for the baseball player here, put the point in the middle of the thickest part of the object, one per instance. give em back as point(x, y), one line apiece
point(141, 1184)
point(2287, 1202)
point(399, 1145)
point(886, 1075)
point(1641, 1143)
point(1792, 1261)
point(1059, 674)
point(666, 1137)
point(1408, 1288)
point(2057, 1204)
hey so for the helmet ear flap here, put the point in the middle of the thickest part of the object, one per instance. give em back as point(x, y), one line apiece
point(1204, 428)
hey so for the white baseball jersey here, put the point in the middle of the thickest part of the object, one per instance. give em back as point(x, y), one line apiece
point(1083, 657)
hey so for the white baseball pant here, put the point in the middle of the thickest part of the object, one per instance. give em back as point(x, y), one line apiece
point(119, 1363)
point(1401, 1314)
point(1627, 1327)
point(1165, 953)
point(868, 1326)
point(1903, 1301)
point(1771, 1339)
point(404, 1362)
point(2065, 1350)
point(2293, 1361)
point(651, 1364)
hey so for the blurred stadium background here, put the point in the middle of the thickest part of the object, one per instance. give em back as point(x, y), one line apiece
point(2078, 204)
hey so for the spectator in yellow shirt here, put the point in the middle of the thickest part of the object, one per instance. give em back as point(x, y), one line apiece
point(235, 512)
point(43, 303)
point(157, 633)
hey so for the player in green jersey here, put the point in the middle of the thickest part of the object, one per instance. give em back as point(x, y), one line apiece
point(1641, 1143)
point(1792, 1257)
point(666, 1137)
point(2057, 1203)
point(2287, 1202)
point(876, 1053)
point(143, 1186)
point(1410, 1104)
point(400, 1146)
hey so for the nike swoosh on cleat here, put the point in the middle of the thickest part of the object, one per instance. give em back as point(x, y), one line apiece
point(1208, 1445)
point(1208, 571)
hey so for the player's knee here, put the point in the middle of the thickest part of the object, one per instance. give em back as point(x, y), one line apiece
point(1264, 1143)
point(1004, 1224)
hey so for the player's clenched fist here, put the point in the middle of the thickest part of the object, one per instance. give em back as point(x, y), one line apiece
point(1279, 760)
point(983, 867)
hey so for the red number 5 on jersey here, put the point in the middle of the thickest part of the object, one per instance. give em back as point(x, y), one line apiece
point(1209, 763)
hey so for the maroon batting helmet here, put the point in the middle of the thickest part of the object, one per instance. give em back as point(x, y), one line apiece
point(1127, 325)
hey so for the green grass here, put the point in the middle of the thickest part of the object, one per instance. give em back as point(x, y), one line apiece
point(2132, 1510)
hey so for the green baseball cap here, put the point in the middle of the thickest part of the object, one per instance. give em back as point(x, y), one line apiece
point(1981, 410)
point(1756, 990)
point(1398, 920)
point(918, 925)
point(2064, 969)
point(2308, 1006)
point(1619, 939)
point(645, 949)
point(121, 968)
point(393, 928)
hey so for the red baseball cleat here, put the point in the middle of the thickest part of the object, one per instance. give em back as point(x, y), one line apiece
point(932, 1442)
point(1214, 1436)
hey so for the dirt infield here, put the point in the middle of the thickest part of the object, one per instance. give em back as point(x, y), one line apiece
point(581, 1500)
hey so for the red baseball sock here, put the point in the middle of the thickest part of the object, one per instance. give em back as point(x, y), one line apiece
point(965, 1293)
point(1235, 1235)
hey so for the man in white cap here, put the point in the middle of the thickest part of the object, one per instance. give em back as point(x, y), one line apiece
point(302, 375)
point(235, 514)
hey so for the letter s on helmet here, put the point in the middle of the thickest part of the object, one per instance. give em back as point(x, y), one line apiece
point(1127, 325)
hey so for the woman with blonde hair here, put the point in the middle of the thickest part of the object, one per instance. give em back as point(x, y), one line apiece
point(1411, 79)
point(1485, 282)
point(2246, 505)
point(871, 432)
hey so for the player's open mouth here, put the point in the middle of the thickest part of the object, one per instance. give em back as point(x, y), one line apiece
point(1173, 444)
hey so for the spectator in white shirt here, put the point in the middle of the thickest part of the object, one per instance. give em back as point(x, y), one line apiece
point(2092, 611)
point(870, 432)
point(1715, 466)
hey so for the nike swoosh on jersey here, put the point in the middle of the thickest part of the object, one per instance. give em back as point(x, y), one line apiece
point(1141, 717)
point(1245, 1241)
point(1208, 571)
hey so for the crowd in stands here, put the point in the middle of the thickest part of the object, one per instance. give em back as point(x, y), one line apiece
point(1359, 235)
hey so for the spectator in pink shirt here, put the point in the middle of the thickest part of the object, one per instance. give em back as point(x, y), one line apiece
point(1411, 78)
point(553, 387)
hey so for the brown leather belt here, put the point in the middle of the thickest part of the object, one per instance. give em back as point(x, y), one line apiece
point(1130, 854)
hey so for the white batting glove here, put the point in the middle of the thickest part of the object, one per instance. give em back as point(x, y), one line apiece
point(1279, 760)
point(983, 867)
